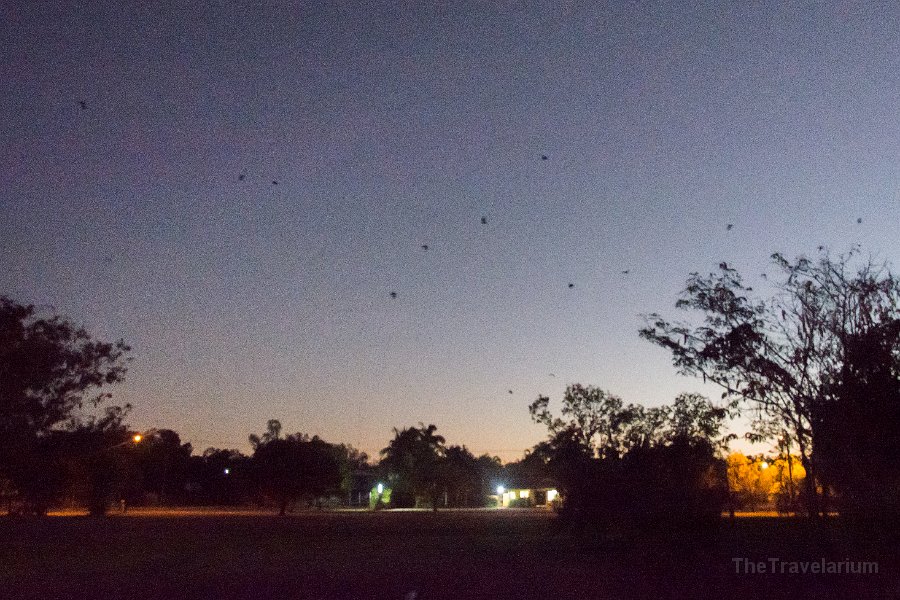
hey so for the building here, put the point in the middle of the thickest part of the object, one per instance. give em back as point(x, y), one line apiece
point(532, 494)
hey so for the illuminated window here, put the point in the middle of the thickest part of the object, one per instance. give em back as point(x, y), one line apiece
point(523, 494)
point(551, 495)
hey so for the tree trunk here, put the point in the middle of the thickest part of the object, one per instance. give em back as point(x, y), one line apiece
point(792, 491)
point(811, 499)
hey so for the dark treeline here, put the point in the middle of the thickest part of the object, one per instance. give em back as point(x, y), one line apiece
point(624, 468)
point(60, 447)
point(815, 365)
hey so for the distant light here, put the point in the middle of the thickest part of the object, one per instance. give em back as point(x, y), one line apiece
point(137, 438)
point(551, 495)
point(500, 489)
point(380, 488)
point(763, 465)
point(227, 470)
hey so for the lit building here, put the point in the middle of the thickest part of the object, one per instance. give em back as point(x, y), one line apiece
point(535, 496)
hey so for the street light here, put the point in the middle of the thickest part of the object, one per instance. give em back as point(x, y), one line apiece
point(137, 438)
point(380, 488)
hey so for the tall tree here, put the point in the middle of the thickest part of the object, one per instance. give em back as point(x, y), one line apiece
point(779, 354)
point(620, 465)
point(163, 462)
point(856, 429)
point(50, 370)
point(352, 462)
point(412, 461)
point(461, 476)
point(99, 454)
point(295, 467)
point(592, 414)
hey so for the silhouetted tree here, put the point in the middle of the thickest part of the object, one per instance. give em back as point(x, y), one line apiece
point(606, 427)
point(49, 370)
point(670, 488)
point(273, 432)
point(352, 461)
point(857, 426)
point(412, 462)
point(621, 467)
point(219, 477)
point(590, 413)
point(779, 355)
point(490, 473)
point(99, 453)
point(461, 477)
point(295, 467)
point(38, 474)
point(163, 463)
point(86, 463)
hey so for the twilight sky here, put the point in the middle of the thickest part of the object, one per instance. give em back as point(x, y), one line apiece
point(390, 125)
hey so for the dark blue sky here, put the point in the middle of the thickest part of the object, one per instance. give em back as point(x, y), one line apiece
point(388, 126)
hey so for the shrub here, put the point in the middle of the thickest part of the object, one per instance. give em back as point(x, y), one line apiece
point(676, 487)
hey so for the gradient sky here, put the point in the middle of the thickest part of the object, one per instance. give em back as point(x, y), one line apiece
point(389, 125)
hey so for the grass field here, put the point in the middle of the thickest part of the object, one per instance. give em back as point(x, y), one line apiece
point(454, 554)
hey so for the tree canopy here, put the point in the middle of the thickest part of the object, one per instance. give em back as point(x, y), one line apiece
point(50, 370)
point(605, 427)
point(622, 466)
point(780, 354)
point(294, 467)
point(413, 461)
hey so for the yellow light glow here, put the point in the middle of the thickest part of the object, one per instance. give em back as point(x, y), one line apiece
point(551, 495)
point(137, 438)
point(763, 465)
point(523, 494)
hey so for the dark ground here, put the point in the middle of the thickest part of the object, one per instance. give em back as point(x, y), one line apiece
point(467, 554)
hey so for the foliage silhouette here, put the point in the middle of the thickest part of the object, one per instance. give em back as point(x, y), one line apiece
point(293, 468)
point(856, 428)
point(412, 462)
point(49, 371)
point(627, 469)
point(780, 355)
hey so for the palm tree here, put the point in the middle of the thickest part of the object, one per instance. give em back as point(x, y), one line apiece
point(412, 461)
